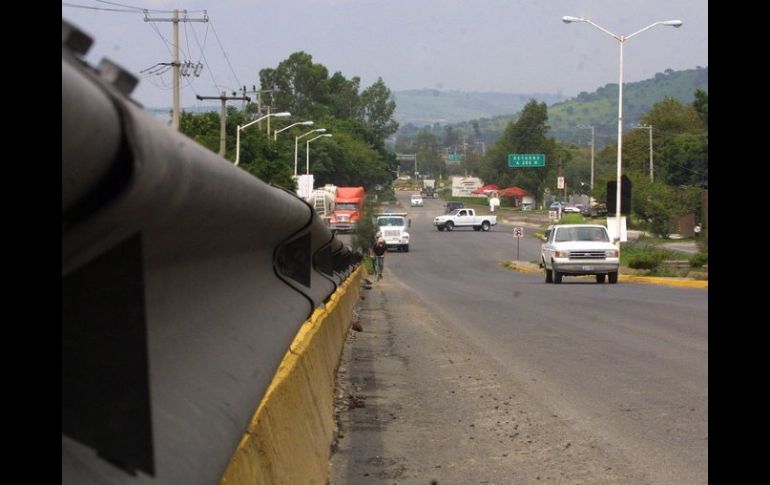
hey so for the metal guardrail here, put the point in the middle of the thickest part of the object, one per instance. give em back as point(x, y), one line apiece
point(184, 281)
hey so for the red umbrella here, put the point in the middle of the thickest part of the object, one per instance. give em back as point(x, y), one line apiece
point(486, 189)
point(517, 192)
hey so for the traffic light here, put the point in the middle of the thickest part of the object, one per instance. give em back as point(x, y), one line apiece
point(625, 196)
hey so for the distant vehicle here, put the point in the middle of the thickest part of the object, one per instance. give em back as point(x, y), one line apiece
point(571, 209)
point(579, 249)
point(585, 211)
point(556, 206)
point(452, 205)
point(429, 192)
point(429, 188)
point(464, 218)
point(416, 200)
point(392, 226)
point(599, 210)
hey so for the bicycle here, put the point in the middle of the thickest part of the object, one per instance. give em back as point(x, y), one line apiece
point(379, 263)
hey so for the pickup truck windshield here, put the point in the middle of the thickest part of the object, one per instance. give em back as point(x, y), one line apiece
point(581, 234)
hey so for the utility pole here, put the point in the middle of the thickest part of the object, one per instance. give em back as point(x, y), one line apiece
point(177, 89)
point(223, 116)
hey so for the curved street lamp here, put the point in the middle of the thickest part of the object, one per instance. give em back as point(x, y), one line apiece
point(303, 123)
point(296, 140)
point(282, 114)
point(622, 39)
point(307, 159)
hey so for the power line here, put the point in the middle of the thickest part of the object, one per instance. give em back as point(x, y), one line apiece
point(97, 8)
point(225, 54)
point(203, 52)
point(141, 9)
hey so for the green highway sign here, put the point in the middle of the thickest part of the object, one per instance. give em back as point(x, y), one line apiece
point(526, 160)
point(454, 157)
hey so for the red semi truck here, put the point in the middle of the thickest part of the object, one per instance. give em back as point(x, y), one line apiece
point(348, 208)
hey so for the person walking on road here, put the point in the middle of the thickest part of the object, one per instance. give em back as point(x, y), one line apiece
point(378, 251)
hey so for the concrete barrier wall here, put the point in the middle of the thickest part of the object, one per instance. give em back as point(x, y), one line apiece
point(289, 438)
point(184, 281)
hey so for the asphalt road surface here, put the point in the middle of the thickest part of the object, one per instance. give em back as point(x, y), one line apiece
point(472, 373)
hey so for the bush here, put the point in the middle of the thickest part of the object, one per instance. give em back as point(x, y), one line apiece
point(699, 259)
point(368, 263)
point(649, 260)
point(642, 257)
point(572, 219)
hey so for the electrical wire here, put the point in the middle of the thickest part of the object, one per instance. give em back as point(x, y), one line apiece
point(224, 53)
point(74, 5)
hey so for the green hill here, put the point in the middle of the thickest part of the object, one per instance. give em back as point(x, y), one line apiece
point(422, 107)
point(600, 108)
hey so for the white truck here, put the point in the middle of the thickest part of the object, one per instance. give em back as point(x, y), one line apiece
point(579, 249)
point(393, 227)
point(464, 218)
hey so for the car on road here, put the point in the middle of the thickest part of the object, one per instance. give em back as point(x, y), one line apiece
point(579, 249)
point(452, 205)
point(556, 206)
point(571, 209)
point(416, 200)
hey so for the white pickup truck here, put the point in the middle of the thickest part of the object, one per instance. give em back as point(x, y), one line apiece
point(579, 249)
point(464, 218)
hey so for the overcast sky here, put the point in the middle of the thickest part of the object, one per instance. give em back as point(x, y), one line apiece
point(510, 46)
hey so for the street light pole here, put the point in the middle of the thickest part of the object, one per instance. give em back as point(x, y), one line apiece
point(283, 114)
point(303, 123)
point(622, 39)
point(648, 127)
point(296, 144)
point(593, 139)
point(307, 160)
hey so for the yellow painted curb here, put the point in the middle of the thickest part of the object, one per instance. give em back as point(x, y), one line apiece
point(289, 436)
point(658, 280)
point(523, 269)
point(655, 280)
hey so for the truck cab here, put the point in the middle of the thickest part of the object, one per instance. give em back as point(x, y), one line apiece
point(392, 226)
point(348, 208)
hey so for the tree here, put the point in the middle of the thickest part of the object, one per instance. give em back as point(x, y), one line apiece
point(701, 105)
point(525, 135)
point(300, 86)
point(377, 108)
point(343, 97)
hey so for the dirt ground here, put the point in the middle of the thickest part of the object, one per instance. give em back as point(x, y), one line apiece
point(417, 402)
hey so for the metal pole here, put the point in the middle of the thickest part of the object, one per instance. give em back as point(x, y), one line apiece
point(592, 157)
point(237, 144)
point(620, 145)
point(177, 88)
point(296, 140)
point(517, 248)
point(222, 123)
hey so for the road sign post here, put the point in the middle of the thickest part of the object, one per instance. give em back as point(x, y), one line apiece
point(518, 233)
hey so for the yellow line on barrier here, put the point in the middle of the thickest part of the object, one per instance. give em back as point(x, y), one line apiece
point(295, 416)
